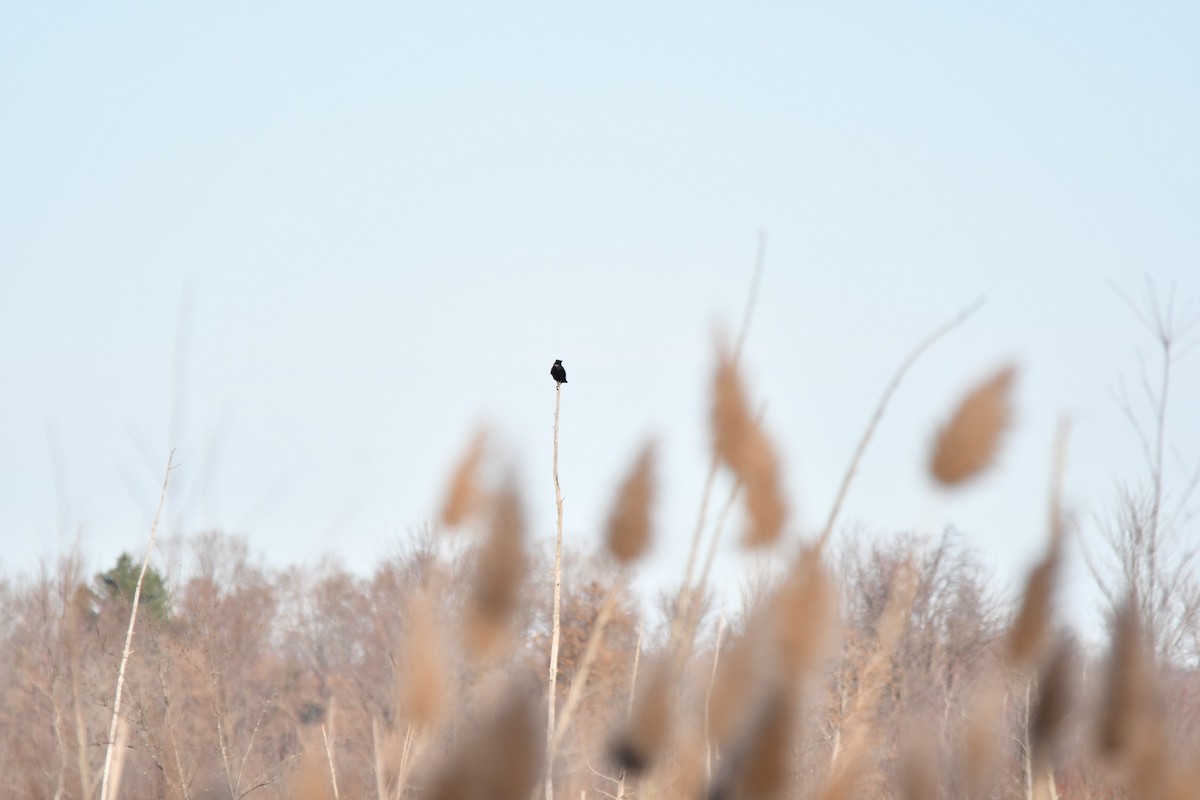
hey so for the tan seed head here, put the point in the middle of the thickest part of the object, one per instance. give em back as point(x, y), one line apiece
point(499, 567)
point(629, 525)
point(967, 444)
point(464, 495)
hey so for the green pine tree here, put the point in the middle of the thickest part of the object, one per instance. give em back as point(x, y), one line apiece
point(118, 585)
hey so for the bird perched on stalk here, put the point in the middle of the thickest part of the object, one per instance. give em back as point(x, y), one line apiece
point(558, 373)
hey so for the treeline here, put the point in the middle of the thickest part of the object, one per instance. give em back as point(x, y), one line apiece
point(251, 681)
point(864, 668)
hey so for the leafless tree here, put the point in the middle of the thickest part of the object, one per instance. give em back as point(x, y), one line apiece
point(1150, 548)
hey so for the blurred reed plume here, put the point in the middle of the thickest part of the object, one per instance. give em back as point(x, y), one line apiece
point(743, 674)
point(758, 764)
point(857, 731)
point(643, 737)
point(499, 758)
point(311, 777)
point(982, 747)
point(805, 614)
point(742, 445)
point(765, 506)
point(464, 496)
point(1055, 698)
point(919, 768)
point(424, 664)
point(629, 524)
point(967, 444)
point(1129, 718)
point(1030, 629)
point(499, 569)
point(1131, 730)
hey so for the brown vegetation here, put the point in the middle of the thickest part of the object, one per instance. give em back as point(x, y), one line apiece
point(868, 668)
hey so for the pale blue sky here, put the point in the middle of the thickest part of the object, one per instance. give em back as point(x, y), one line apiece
point(376, 226)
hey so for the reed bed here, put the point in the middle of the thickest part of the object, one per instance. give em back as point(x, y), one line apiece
point(857, 669)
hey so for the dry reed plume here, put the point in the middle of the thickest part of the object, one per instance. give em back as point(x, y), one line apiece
point(464, 496)
point(967, 444)
point(1029, 631)
point(919, 766)
point(643, 737)
point(856, 732)
point(311, 778)
point(629, 524)
point(759, 762)
point(739, 680)
point(982, 746)
point(423, 665)
point(740, 443)
point(499, 568)
point(805, 614)
point(500, 759)
point(1131, 728)
point(1055, 699)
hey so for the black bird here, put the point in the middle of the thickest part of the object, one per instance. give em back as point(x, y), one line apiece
point(558, 373)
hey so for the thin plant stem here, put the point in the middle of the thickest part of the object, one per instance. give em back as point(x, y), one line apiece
point(180, 774)
point(380, 776)
point(713, 544)
point(685, 590)
point(407, 754)
point(137, 594)
point(892, 386)
point(712, 680)
point(1057, 477)
point(637, 656)
point(591, 651)
point(557, 609)
point(332, 768)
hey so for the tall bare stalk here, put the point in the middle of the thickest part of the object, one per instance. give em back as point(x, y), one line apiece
point(591, 651)
point(137, 593)
point(380, 766)
point(892, 386)
point(687, 592)
point(637, 657)
point(329, 756)
point(555, 617)
point(712, 679)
